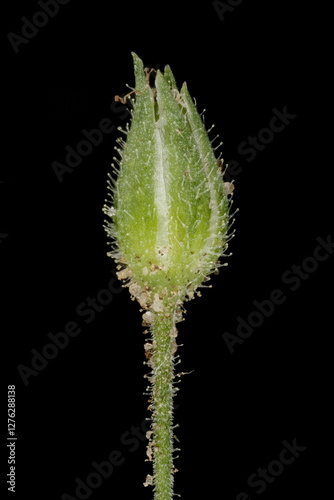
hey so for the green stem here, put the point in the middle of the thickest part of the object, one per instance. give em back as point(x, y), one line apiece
point(162, 362)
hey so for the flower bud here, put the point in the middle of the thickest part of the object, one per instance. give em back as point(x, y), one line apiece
point(170, 207)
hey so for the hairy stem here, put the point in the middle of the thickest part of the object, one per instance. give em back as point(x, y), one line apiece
point(160, 447)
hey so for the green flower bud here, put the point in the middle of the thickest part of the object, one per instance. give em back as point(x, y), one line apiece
point(170, 218)
point(170, 206)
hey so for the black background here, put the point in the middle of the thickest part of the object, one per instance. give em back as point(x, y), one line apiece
point(235, 409)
